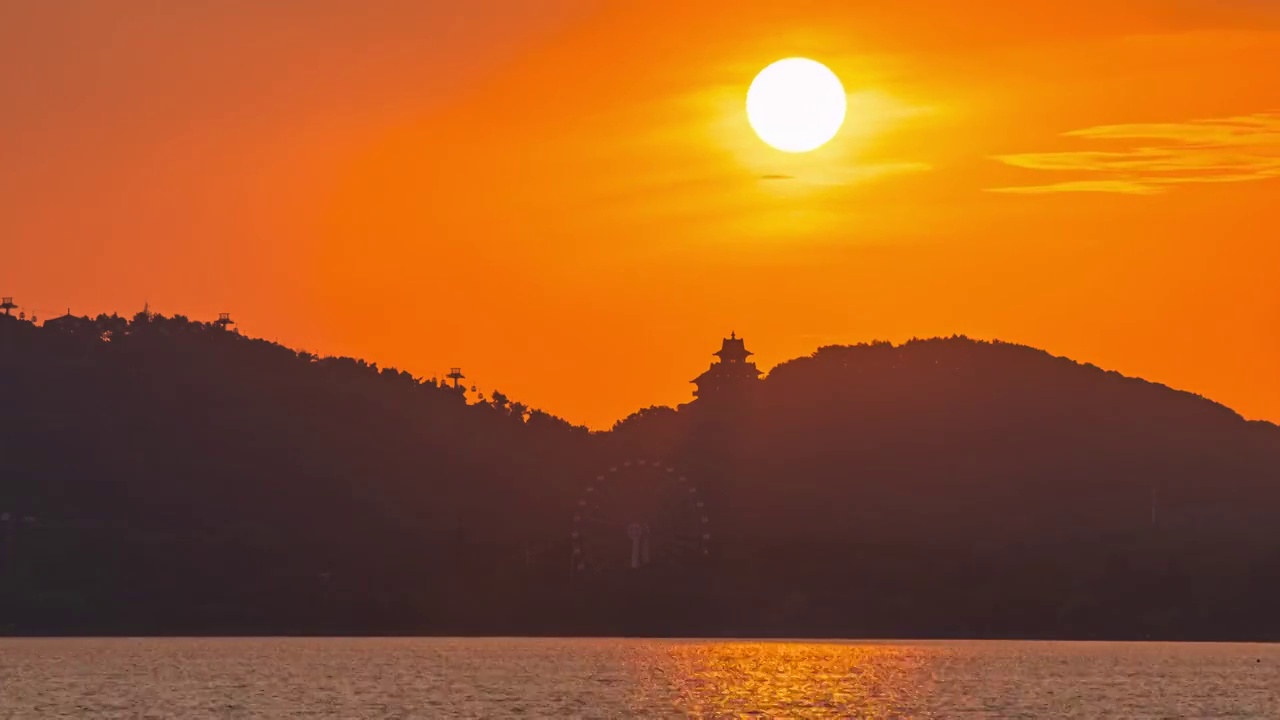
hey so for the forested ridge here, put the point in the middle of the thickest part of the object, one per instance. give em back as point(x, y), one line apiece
point(161, 475)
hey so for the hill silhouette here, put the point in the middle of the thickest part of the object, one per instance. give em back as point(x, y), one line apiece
point(162, 475)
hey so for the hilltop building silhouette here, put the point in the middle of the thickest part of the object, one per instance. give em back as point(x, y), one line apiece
point(730, 375)
point(68, 323)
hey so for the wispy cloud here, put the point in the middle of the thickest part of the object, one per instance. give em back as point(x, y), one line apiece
point(1160, 155)
point(856, 173)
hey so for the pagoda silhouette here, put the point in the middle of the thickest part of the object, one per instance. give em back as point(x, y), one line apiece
point(731, 375)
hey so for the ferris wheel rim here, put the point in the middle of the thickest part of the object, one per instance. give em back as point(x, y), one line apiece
point(695, 542)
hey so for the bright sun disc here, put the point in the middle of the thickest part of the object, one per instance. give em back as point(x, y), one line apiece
point(796, 105)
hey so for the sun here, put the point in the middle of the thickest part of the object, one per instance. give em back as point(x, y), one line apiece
point(796, 105)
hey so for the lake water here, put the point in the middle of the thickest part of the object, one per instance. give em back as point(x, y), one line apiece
point(495, 678)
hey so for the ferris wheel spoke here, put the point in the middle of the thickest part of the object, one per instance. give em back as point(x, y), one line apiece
point(677, 526)
point(595, 520)
point(675, 502)
point(667, 504)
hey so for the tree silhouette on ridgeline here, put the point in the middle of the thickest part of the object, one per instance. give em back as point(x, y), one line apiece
point(172, 476)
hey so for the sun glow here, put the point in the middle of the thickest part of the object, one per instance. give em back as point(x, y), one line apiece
point(796, 105)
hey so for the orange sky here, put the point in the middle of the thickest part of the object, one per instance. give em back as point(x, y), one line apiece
point(564, 197)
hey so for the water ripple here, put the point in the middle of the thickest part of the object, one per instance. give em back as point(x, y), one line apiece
point(537, 678)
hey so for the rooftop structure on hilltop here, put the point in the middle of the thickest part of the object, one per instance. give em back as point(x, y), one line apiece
point(732, 373)
point(68, 322)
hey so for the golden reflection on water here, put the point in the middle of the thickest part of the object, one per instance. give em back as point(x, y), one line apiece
point(793, 679)
point(590, 679)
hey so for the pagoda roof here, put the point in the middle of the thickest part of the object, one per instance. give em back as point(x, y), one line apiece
point(733, 346)
point(68, 318)
point(721, 370)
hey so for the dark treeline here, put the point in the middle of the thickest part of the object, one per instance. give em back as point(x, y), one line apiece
point(159, 475)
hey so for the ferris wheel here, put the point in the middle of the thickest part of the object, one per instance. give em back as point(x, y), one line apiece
point(639, 514)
